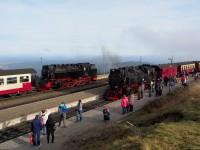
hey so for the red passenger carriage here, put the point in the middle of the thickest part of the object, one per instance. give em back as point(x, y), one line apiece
point(16, 81)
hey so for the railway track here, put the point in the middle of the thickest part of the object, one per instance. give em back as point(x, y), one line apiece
point(34, 91)
point(12, 102)
point(24, 128)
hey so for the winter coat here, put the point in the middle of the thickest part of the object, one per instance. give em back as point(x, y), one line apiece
point(124, 102)
point(50, 124)
point(131, 99)
point(44, 117)
point(62, 108)
point(36, 125)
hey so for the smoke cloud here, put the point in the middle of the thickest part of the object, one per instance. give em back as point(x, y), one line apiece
point(108, 60)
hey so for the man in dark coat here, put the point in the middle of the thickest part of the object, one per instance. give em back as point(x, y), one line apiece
point(36, 127)
point(50, 126)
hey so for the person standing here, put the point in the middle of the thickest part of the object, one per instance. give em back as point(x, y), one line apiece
point(185, 81)
point(171, 84)
point(182, 79)
point(62, 109)
point(36, 126)
point(130, 102)
point(106, 113)
point(166, 80)
point(44, 116)
point(141, 89)
point(158, 87)
point(124, 104)
point(79, 110)
point(50, 126)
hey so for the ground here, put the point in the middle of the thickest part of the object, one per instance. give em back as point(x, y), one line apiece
point(171, 123)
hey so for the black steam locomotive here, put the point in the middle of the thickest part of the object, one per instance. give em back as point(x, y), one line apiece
point(67, 75)
point(124, 80)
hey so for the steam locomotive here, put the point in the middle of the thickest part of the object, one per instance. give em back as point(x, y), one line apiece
point(56, 76)
point(67, 75)
point(124, 80)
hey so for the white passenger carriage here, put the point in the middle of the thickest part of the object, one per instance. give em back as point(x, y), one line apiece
point(16, 81)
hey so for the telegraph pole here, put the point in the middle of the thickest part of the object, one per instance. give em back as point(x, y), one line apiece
point(41, 59)
point(171, 60)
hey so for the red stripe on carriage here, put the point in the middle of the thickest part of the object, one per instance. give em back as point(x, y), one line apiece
point(26, 87)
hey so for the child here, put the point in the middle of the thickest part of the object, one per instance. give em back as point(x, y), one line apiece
point(106, 114)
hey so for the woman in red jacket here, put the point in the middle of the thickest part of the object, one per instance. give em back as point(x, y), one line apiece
point(124, 104)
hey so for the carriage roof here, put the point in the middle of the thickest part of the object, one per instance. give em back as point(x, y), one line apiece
point(185, 63)
point(167, 65)
point(17, 71)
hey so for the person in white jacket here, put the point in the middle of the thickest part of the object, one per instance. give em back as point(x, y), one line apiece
point(43, 117)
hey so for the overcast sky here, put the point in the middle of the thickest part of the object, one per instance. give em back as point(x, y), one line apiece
point(73, 28)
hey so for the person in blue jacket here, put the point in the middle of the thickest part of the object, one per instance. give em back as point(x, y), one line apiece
point(62, 109)
point(36, 127)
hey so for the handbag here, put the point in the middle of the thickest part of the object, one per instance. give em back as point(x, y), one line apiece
point(30, 137)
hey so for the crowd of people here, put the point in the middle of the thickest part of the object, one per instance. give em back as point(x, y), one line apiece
point(45, 124)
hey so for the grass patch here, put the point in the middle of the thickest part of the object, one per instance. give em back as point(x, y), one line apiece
point(170, 123)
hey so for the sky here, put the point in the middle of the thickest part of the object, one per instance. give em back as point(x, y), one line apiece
point(156, 29)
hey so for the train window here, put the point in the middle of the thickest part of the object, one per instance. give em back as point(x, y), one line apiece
point(12, 80)
point(1, 82)
point(24, 79)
